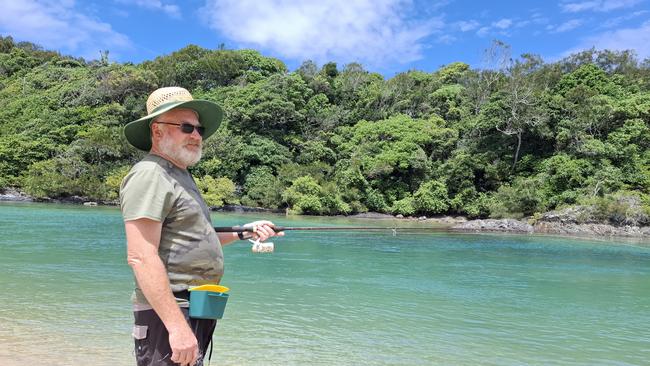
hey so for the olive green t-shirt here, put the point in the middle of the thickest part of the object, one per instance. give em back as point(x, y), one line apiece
point(189, 247)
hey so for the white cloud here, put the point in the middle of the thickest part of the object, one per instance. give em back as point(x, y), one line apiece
point(372, 32)
point(567, 26)
point(502, 24)
point(536, 18)
point(597, 5)
point(483, 31)
point(172, 10)
point(499, 27)
point(637, 39)
point(59, 26)
point(446, 39)
point(611, 23)
point(522, 23)
point(468, 25)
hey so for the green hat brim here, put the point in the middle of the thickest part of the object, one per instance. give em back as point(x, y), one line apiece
point(138, 132)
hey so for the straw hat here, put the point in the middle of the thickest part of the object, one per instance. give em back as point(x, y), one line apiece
point(138, 133)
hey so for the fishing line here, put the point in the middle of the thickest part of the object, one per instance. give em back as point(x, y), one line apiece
point(277, 229)
point(268, 247)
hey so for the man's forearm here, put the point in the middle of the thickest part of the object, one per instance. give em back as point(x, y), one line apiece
point(227, 238)
point(154, 283)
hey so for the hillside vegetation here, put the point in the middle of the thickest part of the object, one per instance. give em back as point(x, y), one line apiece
point(512, 139)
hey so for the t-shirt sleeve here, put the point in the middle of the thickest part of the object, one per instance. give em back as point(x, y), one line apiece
point(146, 193)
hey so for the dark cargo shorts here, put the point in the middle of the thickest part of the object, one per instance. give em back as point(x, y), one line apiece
point(152, 339)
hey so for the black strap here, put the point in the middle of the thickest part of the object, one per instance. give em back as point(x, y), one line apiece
point(185, 294)
point(210, 355)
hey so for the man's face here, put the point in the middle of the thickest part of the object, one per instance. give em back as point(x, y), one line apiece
point(183, 148)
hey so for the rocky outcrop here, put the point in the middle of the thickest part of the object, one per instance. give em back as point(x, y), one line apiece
point(448, 220)
point(373, 215)
point(568, 228)
point(502, 225)
point(570, 215)
point(585, 220)
point(557, 224)
point(11, 194)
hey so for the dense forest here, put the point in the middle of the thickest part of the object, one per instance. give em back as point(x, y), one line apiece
point(514, 138)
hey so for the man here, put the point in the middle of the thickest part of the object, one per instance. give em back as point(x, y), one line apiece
point(171, 243)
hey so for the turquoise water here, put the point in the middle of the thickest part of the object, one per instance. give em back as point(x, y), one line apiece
point(334, 298)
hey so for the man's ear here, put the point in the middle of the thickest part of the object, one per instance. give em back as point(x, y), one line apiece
point(156, 131)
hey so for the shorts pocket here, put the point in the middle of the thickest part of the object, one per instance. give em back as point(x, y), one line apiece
point(140, 331)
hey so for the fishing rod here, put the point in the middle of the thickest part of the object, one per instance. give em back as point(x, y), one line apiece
point(267, 247)
point(277, 229)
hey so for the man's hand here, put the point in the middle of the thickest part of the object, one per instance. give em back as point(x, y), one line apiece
point(263, 229)
point(185, 348)
point(143, 239)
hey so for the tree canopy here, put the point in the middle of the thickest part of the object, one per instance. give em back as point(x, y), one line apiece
point(514, 139)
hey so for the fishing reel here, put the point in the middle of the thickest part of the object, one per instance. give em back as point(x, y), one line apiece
point(261, 247)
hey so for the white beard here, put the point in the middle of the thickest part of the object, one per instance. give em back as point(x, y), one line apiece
point(180, 153)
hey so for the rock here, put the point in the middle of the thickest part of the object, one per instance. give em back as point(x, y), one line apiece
point(452, 220)
point(90, 203)
point(446, 220)
point(71, 199)
point(591, 229)
point(569, 215)
point(399, 216)
point(372, 215)
point(10, 194)
point(503, 225)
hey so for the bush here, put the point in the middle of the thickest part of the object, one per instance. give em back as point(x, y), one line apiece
point(62, 177)
point(405, 206)
point(431, 197)
point(113, 181)
point(306, 196)
point(620, 208)
point(307, 204)
point(333, 201)
point(479, 207)
point(375, 201)
point(217, 192)
point(472, 204)
point(523, 198)
point(43, 179)
point(262, 189)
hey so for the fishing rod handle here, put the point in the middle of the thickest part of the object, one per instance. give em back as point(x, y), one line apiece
point(241, 229)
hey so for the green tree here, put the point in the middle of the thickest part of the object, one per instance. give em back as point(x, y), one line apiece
point(273, 107)
point(431, 198)
point(262, 188)
point(217, 192)
point(306, 196)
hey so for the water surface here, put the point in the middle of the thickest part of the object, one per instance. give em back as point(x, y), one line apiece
point(334, 298)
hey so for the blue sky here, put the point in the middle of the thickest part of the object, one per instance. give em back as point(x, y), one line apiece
point(387, 36)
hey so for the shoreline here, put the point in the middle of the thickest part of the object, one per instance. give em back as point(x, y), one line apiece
point(461, 224)
point(565, 228)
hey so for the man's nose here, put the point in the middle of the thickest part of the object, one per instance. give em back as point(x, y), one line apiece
point(195, 133)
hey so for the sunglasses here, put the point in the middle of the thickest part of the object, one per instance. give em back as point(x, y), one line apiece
point(186, 127)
